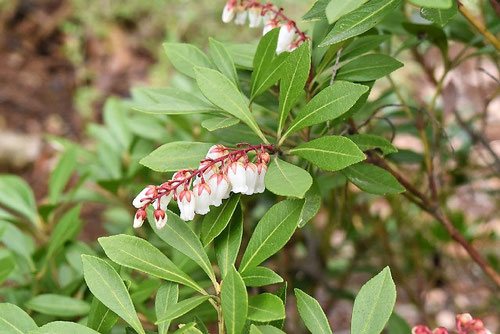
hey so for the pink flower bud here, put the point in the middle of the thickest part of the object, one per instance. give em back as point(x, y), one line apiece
point(251, 177)
point(219, 184)
point(285, 38)
point(186, 204)
point(264, 157)
point(228, 12)
point(139, 218)
point(237, 177)
point(202, 198)
point(260, 186)
point(145, 197)
point(440, 330)
point(421, 329)
point(160, 218)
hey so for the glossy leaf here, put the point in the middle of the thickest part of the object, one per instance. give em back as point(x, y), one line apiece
point(330, 153)
point(63, 327)
point(260, 276)
point(285, 179)
point(397, 325)
point(439, 16)
point(271, 233)
point(317, 11)
point(58, 305)
point(360, 20)
point(224, 94)
point(265, 307)
point(101, 318)
point(179, 309)
point(373, 179)
point(293, 80)
point(363, 44)
point(443, 4)
point(166, 298)
point(373, 304)
point(181, 237)
point(227, 244)
point(66, 229)
point(234, 301)
point(369, 142)
point(329, 104)
point(14, 320)
point(223, 60)
point(15, 194)
point(217, 219)
point(175, 156)
point(368, 67)
point(185, 57)
point(312, 204)
point(216, 123)
point(338, 8)
point(107, 286)
point(137, 253)
point(312, 314)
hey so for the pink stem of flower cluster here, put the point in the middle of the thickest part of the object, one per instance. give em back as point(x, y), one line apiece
point(270, 7)
point(235, 154)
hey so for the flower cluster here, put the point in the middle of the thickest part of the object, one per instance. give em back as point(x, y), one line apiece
point(267, 15)
point(465, 325)
point(223, 170)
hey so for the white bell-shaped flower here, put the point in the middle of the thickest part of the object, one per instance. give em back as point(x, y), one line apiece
point(144, 197)
point(237, 177)
point(260, 186)
point(160, 218)
point(180, 175)
point(139, 218)
point(251, 177)
point(202, 197)
point(254, 17)
point(164, 200)
point(219, 184)
point(228, 12)
point(241, 17)
point(186, 204)
point(285, 38)
point(270, 25)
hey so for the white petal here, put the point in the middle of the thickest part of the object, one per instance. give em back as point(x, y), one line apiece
point(285, 38)
point(138, 221)
point(228, 13)
point(254, 18)
point(160, 223)
point(237, 177)
point(139, 200)
point(241, 17)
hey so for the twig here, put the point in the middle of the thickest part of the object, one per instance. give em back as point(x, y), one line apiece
point(480, 27)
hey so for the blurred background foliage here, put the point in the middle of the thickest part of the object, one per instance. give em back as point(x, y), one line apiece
point(71, 143)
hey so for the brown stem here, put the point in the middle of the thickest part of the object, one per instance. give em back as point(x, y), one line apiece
point(479, 26)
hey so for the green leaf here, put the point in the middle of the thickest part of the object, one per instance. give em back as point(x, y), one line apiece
point(260, 276)
point(217, 219)
point(363, 44)
point(66, 229)
point(373, 179)
point(271, 233)
point(443, 4)
point(368, 67)
point(397, 325)
point(329, 104)
point(312, 314)
point(137, 253)
point(227, 244)
point(373, 304)
point(285, 179)
point(267, 65)
point(282, 294)
point(224, 94)
point(360, 20)
point(234, 301)
point(175, 156)
point(242, 53)
point(369, 142)
point(265, 307)
point(61, 174)
point(63, 327)
point(312, 204)
point(18, 242)
point(338, 8)
point(216, 123)
point(180, 236)
point(330, 153)
point(179, 309)
point(101, 318)
point(16, 195)
point(166, 297)
point(293, 80)
point(223, 60)
point(188, 329)
point(317, 11)
point(107, 286)
point(185, 57)
point(57, 305)
point(430, 32)
point(439, 16)
point(7, 265)
point(172, 101)
point(14, 320)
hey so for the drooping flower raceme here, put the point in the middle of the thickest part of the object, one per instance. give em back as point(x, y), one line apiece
point(267, 15)
point(465, 325)
point(223, 171)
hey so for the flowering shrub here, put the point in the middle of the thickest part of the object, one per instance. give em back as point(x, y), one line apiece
point(283, 162)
